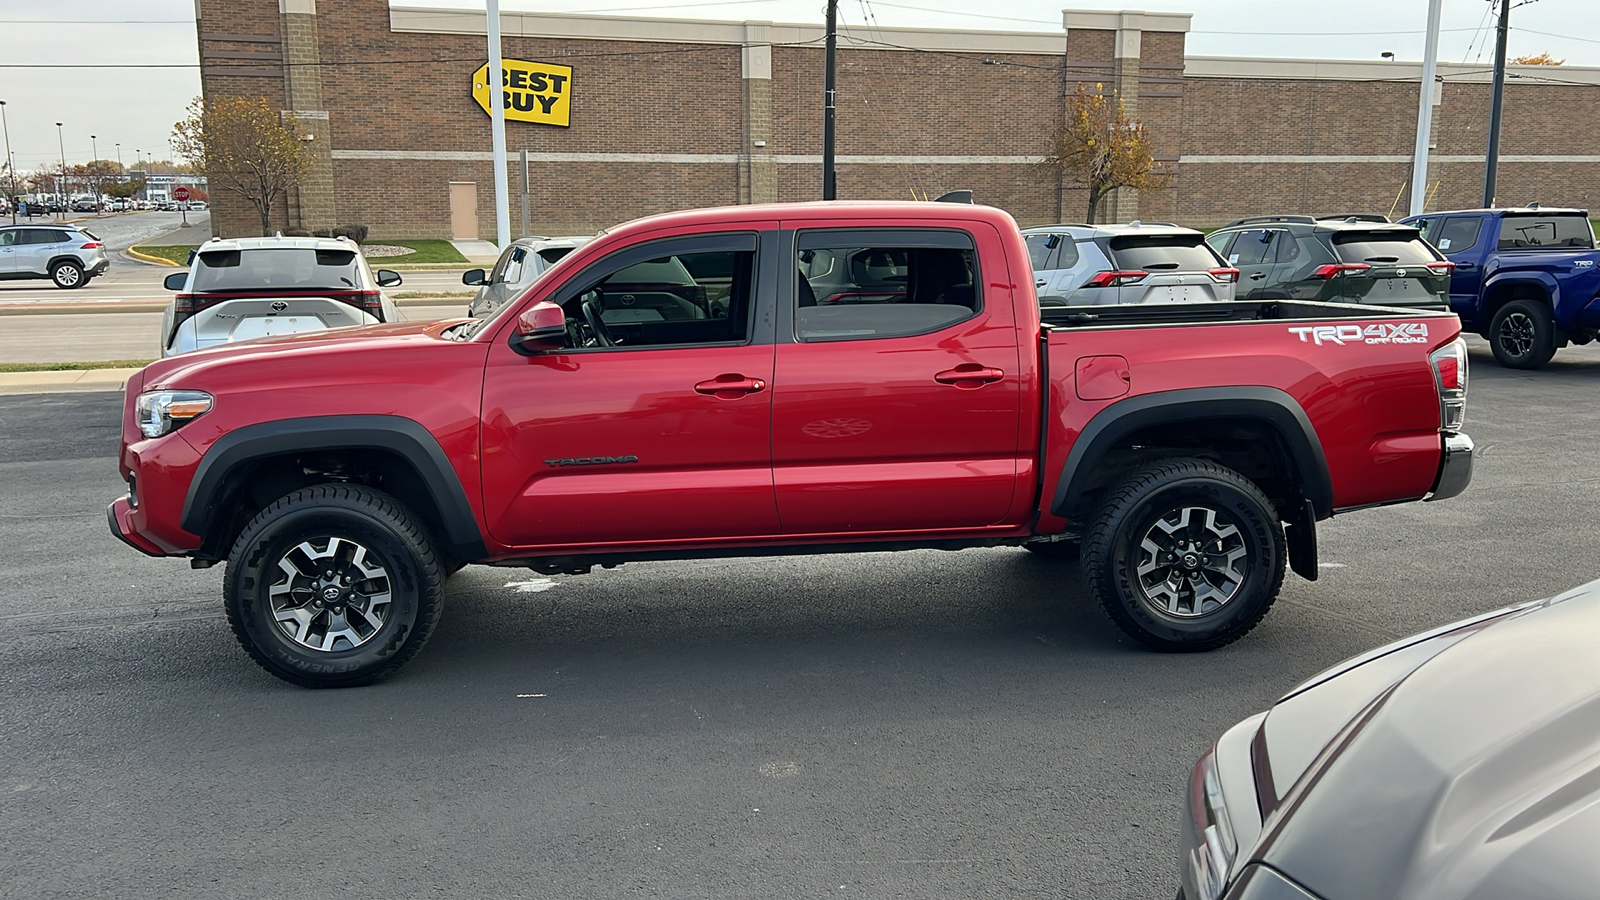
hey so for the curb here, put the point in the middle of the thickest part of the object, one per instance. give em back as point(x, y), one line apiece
point(156, 259)
point(78, 381)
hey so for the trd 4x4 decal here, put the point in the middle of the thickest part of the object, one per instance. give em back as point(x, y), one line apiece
point(1380, 333)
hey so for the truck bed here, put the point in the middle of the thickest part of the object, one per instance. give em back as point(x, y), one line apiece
point(1230, 311)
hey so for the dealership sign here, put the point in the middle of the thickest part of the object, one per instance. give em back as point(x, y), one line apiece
point(532, 92)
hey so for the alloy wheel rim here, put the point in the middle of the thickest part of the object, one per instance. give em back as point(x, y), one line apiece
point(1516, 334)
point(333, 594)
point(67, 275)
point(1193, 561)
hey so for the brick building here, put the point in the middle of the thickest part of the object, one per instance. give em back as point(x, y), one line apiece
point(671, 114)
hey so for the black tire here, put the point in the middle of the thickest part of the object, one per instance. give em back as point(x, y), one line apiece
point(1523, 335)
point(68, 275)
point(1055, 549)
point(364, 639)
point(1160, 501)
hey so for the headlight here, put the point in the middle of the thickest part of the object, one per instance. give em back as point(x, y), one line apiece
point(1209, 845)
point(159, 412)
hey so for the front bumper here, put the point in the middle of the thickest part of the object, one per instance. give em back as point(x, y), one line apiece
point(117, 516)
point(1455, 468)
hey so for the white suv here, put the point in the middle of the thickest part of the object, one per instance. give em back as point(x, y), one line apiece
point(65, 254)
point(260, 287)
point(1140, 262)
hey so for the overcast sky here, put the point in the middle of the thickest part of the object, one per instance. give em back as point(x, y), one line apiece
point(136, 106)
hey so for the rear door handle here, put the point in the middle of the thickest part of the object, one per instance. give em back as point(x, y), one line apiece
point(1041, 282)
point(730, 386)
point(1258, 276)
point(1465, 266)
point(969, 375)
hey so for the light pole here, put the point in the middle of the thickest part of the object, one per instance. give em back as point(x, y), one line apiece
point(61, 188)
point(11, 165)
point(94, 154)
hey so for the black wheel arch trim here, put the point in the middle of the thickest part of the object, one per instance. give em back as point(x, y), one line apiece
point(405, 437)
point(1268, 405)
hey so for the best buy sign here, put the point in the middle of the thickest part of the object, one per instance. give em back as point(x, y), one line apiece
point(531, 91)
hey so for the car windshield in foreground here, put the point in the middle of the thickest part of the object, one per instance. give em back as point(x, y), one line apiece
point(1377, 247)
point(1163, 252)
point(290, 268)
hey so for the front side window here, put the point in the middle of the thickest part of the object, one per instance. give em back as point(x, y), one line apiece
point(861, 284)
point(1250, 248)
point(515, 258)
point(684, 298)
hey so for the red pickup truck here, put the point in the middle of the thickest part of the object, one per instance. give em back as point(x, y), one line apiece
point(798, 378)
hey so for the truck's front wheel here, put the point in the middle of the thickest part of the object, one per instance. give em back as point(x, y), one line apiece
point(333, 586)
point(1186, 555)
point(1523, 335)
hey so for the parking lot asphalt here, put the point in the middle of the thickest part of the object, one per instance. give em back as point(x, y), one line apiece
point(920, 725)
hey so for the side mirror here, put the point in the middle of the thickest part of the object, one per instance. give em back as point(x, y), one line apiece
point(542, 327)
point(473, 277)
point(387, 277)
point(175, 281)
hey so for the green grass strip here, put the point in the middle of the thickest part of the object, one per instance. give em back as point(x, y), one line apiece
point(75, 366)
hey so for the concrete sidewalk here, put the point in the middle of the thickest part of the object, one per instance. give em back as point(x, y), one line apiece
point(64, 382)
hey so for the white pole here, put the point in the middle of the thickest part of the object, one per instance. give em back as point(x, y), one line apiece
point(497, 114)
point(1430, 62)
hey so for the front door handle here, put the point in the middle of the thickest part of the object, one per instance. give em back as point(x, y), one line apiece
point(731, 386)
point(969, 375)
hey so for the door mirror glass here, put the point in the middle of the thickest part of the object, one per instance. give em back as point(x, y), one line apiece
point(388, 277)
point(472, 277)
point(542, 327)
point(175, 281)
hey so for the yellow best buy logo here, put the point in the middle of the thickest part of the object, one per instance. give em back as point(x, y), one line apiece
point(530, 91)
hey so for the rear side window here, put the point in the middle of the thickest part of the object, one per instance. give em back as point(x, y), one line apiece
point(1457, 233)
point(863, 284)
point(1405, 248)
point(1250, 248)
point(297, 268)
point(552, 255)
point(1163, 253)
point(1530, 232)
point(1049, 252)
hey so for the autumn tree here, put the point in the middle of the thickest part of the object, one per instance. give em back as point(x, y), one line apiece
point(1538, 59)
point(125, 190)
point(243, 146)
point(1098, 146)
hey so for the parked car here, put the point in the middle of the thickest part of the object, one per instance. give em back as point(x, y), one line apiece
point(343, 474)
point(1334, 259)
point(87, 204)
point(1526, 279)
point(519, 265)
point(1141, 262)
point(1456, 764)
point(66, 254)
point(248, 288)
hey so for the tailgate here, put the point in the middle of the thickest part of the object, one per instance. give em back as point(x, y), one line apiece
point(1390, 285)
point(1176, 287)
point(243, 319)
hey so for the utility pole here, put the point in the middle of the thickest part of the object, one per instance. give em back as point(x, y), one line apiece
point(830, 45)
point(523, 158)
point(11, 165)
point(61, 186)
point(497, 125)
point(1430, 65)
point(1493, 160)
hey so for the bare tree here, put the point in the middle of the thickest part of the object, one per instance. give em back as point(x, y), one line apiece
point(1098, 146)
point(243, 146)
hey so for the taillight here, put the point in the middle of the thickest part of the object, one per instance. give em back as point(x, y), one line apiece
point(1225, 276)
point(1441, 267)
point(1335, 270)
point(182, 309)
point(92, 245)
point(1450, 377)
point(372, 302)
point(1117, 278)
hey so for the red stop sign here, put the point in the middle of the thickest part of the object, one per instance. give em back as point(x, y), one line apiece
point(180, 194)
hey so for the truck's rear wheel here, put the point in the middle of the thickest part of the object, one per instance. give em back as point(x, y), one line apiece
point(333, 586)
point(1523, 335)
point(1185, 555)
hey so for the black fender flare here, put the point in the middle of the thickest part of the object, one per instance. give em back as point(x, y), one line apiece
point(404, 437)
point(1268, 405)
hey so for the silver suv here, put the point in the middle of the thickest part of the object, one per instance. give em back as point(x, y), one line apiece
point(519, 266)
point(1140, 262)
point(260, 287)
point(65, 254)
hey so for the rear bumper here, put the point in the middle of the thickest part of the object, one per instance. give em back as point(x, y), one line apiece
point(1455, 468)
point(98, 268)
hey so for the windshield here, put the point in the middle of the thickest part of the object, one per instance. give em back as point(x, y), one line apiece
point(1371, 247)
point(290, 268)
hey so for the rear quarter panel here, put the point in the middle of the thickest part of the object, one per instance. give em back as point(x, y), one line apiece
point(1374, 406)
